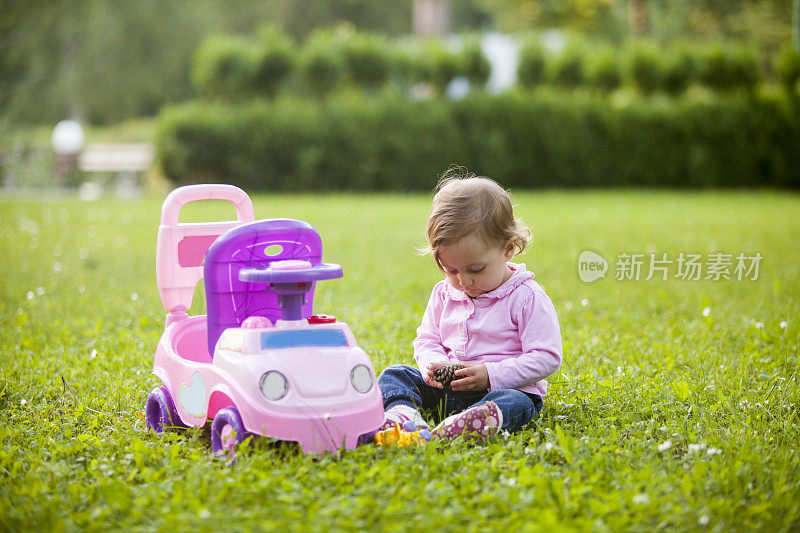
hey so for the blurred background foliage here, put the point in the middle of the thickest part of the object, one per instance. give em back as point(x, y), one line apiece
point(105, 61)
point(763, 24)
point(308, 94)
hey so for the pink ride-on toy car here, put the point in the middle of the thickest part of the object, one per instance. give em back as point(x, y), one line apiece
point(259, 362)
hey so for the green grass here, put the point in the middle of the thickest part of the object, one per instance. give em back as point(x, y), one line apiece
point(643, 366)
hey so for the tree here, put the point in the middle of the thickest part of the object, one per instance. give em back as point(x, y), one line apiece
point(103, 61)
point(765, 22)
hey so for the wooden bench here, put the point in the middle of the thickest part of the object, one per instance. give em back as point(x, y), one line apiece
point(118, 158)
point(126, 161)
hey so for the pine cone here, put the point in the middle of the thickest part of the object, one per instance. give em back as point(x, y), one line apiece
point(446, 374)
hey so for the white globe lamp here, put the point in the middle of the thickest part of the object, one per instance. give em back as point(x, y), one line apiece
point(67, 141)
point(67, 137)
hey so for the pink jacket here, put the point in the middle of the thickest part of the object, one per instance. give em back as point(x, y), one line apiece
point(513, 330)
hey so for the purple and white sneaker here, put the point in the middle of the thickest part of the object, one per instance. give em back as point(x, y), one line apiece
point(409, 419)
point(481, 422)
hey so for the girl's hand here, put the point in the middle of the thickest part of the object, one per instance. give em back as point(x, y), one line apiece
point(471, 378)
point(428, 374)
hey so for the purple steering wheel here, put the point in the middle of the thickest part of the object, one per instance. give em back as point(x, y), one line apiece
point(290, 280)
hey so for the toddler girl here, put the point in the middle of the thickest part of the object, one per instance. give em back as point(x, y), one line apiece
point(488, 315)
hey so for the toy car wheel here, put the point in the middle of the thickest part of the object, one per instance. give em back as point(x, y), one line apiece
point(227, 430)
point(160, 411)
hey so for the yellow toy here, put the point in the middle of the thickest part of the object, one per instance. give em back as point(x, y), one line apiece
point(402, 436)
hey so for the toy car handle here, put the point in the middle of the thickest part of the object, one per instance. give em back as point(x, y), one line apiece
point(181, 196)
point(317, 272)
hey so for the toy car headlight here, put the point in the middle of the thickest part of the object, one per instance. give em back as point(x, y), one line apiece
point(361, 378)
point(273, 385)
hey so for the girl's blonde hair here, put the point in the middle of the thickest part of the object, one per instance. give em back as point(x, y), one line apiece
point(466, 204)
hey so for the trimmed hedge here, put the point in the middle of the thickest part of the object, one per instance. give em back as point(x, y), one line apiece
point(523, 140)
point(532, 62)
point(787, 66)
point(228, 67)
point(648, 65)
point(232, 68)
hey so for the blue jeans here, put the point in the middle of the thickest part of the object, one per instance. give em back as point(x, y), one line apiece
point(403, 384)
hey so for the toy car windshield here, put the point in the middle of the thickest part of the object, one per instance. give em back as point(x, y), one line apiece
point(302, 338)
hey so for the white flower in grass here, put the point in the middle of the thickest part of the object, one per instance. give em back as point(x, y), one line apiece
point(696, 448)
point(512, 482)
point(707, 311)
point(529, 451)
point(204, 513)
point(93, 354)
point(40, 291)
point(784, 324)
point(57, 267)
point(664, 446)
point(506, 435)
point(30, 295)
point(81, 288)
point(703, 520)
point(585, 302)
point(713, 451)
point(134, 297)
point(23, 402)
point(548, 446)
point(641, 499)
point(759, 325)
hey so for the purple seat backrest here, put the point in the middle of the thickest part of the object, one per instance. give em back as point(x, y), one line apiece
point(256, 244)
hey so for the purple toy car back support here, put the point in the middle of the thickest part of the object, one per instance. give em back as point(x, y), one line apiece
point(256, 244)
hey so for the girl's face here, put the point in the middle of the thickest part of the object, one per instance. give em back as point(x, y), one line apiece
point(472, 266)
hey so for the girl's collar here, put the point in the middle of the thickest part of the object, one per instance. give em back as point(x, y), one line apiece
point(519, 276)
